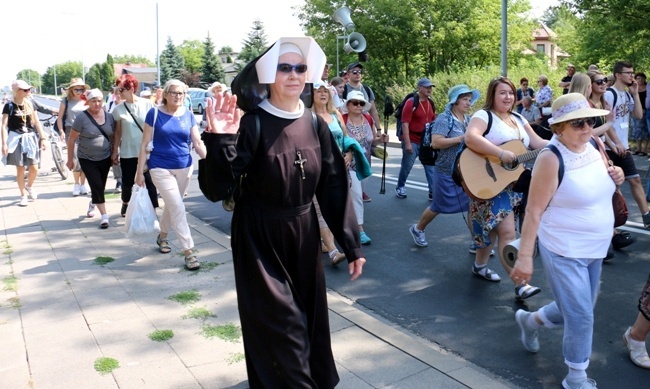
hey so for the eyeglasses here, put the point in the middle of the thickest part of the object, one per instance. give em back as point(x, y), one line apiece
point(176, 94)
point(628, 73)
point(288, 68)
point(358, 103)
point(601, 81)
point(356, 71)
point(579, 123)
point(78, 90)
point(121, 89)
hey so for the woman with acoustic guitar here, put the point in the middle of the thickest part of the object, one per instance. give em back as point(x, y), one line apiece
point(495, 218)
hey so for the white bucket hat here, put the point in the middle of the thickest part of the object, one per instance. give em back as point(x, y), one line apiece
point(573, 106)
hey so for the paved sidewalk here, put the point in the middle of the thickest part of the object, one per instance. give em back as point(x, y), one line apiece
point(60, 311)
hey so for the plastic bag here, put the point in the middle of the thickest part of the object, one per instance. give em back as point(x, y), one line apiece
point(140, 214)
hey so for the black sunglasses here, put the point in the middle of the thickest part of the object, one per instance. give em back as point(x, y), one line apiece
point(601, 81)
point(288, 68)
point(356, 71)
point(577, 124)
point(358, 103)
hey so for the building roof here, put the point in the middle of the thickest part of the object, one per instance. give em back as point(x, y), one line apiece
point(117, 67)
point(543, 33)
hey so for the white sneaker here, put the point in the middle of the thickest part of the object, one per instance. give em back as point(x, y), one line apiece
point(83, 190)
point(418, 236)
point(23, 201)
point(91, 209)
point(75, 190)
point(104, 223)
point(31, 195)
point(528, 337)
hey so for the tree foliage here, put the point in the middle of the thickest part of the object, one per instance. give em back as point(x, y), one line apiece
point(133, 59)
point(172, 63)
point(255, 43)
point(192, 52)
point(612, 30)
point(31, 77)
point(411, 39)
point(212, 70)
point(64, 72)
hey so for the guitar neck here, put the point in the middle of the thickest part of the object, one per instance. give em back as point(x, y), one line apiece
point(528, 156)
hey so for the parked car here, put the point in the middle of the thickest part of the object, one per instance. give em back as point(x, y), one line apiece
point(199, 99)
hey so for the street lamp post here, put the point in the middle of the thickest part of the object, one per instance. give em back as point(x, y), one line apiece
point(56, 88)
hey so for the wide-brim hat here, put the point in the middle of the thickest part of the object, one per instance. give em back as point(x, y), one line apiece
point(78, 82)
point(457, 90)
point(379, 152)
point(356, 95)
point(267, 64)
point(573, 106)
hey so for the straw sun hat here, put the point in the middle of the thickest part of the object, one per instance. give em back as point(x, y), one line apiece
point(573, 106)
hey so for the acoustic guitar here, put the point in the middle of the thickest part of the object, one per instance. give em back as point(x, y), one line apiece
point(485, 176)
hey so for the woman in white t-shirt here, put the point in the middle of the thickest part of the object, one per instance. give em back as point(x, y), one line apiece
point(496, 218)
point(570, 214)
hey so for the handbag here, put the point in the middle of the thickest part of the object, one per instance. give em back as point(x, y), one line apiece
point(618, 201)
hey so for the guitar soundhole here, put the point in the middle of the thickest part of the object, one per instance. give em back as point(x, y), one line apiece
point(510, 165)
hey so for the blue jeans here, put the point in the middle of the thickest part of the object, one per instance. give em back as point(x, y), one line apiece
point(574, 283)
point(408, 159)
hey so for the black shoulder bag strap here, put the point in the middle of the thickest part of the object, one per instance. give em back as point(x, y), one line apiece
point(133, 116)
point(92, 119)
point(560, 172)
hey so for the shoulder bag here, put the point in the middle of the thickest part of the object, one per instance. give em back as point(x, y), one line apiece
point(618, 201)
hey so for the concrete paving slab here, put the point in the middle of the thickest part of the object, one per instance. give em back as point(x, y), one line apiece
point(167, 373)
point(227, 375)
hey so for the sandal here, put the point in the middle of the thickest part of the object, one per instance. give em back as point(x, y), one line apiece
point(524, 291)
point(191, 263)
point(488, 274)
point(337, 258)
point(622, 239)
point(163, 245)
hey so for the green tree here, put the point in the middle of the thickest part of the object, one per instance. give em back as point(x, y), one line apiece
point(613, 30)
point(32, 77)
point(133, 59)
point(255, 43)
point(228, 51)
point(64, 72)
point(94, 76)
point(108, 73)
point(212, 70)
point(172, 63)
point(192, 52)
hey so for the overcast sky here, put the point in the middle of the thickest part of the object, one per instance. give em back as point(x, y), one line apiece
point(41, 33)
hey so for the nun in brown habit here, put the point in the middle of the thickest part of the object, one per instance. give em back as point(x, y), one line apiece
point(275, 233)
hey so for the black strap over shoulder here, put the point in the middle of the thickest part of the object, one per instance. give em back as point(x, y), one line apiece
point(560, 171)
point(92, 119)
point(133, 116)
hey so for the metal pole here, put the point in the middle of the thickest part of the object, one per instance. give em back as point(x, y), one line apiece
point(504, 38)
point(56, 88)
point(157, 46)
point(337, 56)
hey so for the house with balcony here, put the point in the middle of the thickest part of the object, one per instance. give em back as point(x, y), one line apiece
point(544, 42)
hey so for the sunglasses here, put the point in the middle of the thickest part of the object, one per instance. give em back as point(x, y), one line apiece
point(601, 81)
point(356, 71)
point(78, 90)
point(579, 123)
point(358, 103)
point(121, 89)
point(26, 90)
point(288, 68)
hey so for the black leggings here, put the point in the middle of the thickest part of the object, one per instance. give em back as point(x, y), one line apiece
point(96, 173)
point(129, 168)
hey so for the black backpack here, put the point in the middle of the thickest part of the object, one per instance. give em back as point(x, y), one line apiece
point(615, 94)
point(400, 108)
point(427, 154)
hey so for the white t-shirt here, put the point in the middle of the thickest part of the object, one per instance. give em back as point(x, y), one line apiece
point(624, 105)
point(578, 220)
point(500, 132)
point(131, 134)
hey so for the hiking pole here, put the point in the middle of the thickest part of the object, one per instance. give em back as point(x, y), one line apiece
point(382, 188)
point(388, 110)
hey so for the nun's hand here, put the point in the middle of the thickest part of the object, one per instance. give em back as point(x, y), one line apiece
point(224, 116)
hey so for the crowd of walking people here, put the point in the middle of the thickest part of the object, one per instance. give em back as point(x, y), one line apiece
point(299, 159)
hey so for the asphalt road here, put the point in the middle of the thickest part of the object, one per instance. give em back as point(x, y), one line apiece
point(432, 293)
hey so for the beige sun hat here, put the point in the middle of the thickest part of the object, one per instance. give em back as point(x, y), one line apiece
point(573, 106)
point(78, 82)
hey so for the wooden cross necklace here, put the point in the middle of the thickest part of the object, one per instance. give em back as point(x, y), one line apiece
point(300, 161)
